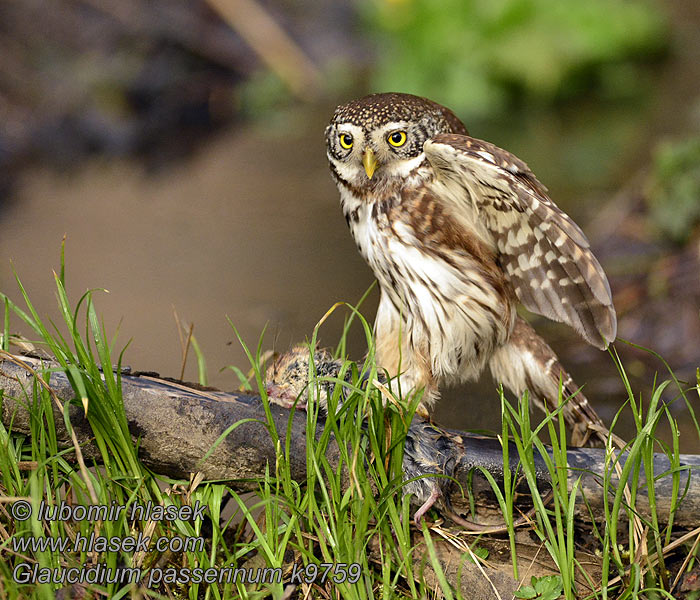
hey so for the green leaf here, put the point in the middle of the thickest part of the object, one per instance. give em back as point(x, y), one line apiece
point(526, 592)
point(548, 587)
point(478, 551)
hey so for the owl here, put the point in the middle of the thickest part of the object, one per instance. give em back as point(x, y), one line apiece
point(458, 232)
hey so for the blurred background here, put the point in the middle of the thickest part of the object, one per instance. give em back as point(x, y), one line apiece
point(178, 145)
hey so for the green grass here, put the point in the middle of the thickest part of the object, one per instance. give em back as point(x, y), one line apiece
point(635, 568)
point(355, 515)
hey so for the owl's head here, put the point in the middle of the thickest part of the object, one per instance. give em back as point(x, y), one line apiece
point(381, 136)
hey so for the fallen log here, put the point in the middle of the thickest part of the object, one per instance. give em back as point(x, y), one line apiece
point(177, 425)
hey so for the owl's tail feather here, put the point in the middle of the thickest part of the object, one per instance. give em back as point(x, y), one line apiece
point(526, 362)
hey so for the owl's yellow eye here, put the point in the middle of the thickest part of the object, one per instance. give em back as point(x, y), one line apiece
point(346, 140)
point(397, 139)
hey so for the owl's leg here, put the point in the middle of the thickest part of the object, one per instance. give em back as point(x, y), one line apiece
point(405, 358)
point(526, 362)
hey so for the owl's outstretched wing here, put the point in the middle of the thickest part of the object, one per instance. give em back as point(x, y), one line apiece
point(544, 254)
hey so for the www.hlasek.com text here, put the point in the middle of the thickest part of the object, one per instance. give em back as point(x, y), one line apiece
point(100, 543)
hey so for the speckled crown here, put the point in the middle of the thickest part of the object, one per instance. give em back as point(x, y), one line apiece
point(377, 109)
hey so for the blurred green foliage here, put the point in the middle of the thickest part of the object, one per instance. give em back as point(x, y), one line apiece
point(479, 56)
point(674, 190)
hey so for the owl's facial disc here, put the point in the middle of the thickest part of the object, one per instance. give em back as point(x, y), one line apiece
point(377, 153)
point(377, 140)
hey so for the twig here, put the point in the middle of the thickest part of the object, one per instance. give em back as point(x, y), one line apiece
point(275, 48)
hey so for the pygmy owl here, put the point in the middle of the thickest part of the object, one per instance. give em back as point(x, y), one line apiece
point(457, 232)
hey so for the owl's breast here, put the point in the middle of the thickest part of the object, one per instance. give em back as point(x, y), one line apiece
point(443, 281)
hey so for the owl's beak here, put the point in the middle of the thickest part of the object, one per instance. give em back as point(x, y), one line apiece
point(369, 162)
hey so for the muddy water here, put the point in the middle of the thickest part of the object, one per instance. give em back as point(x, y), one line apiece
point(248, 228)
